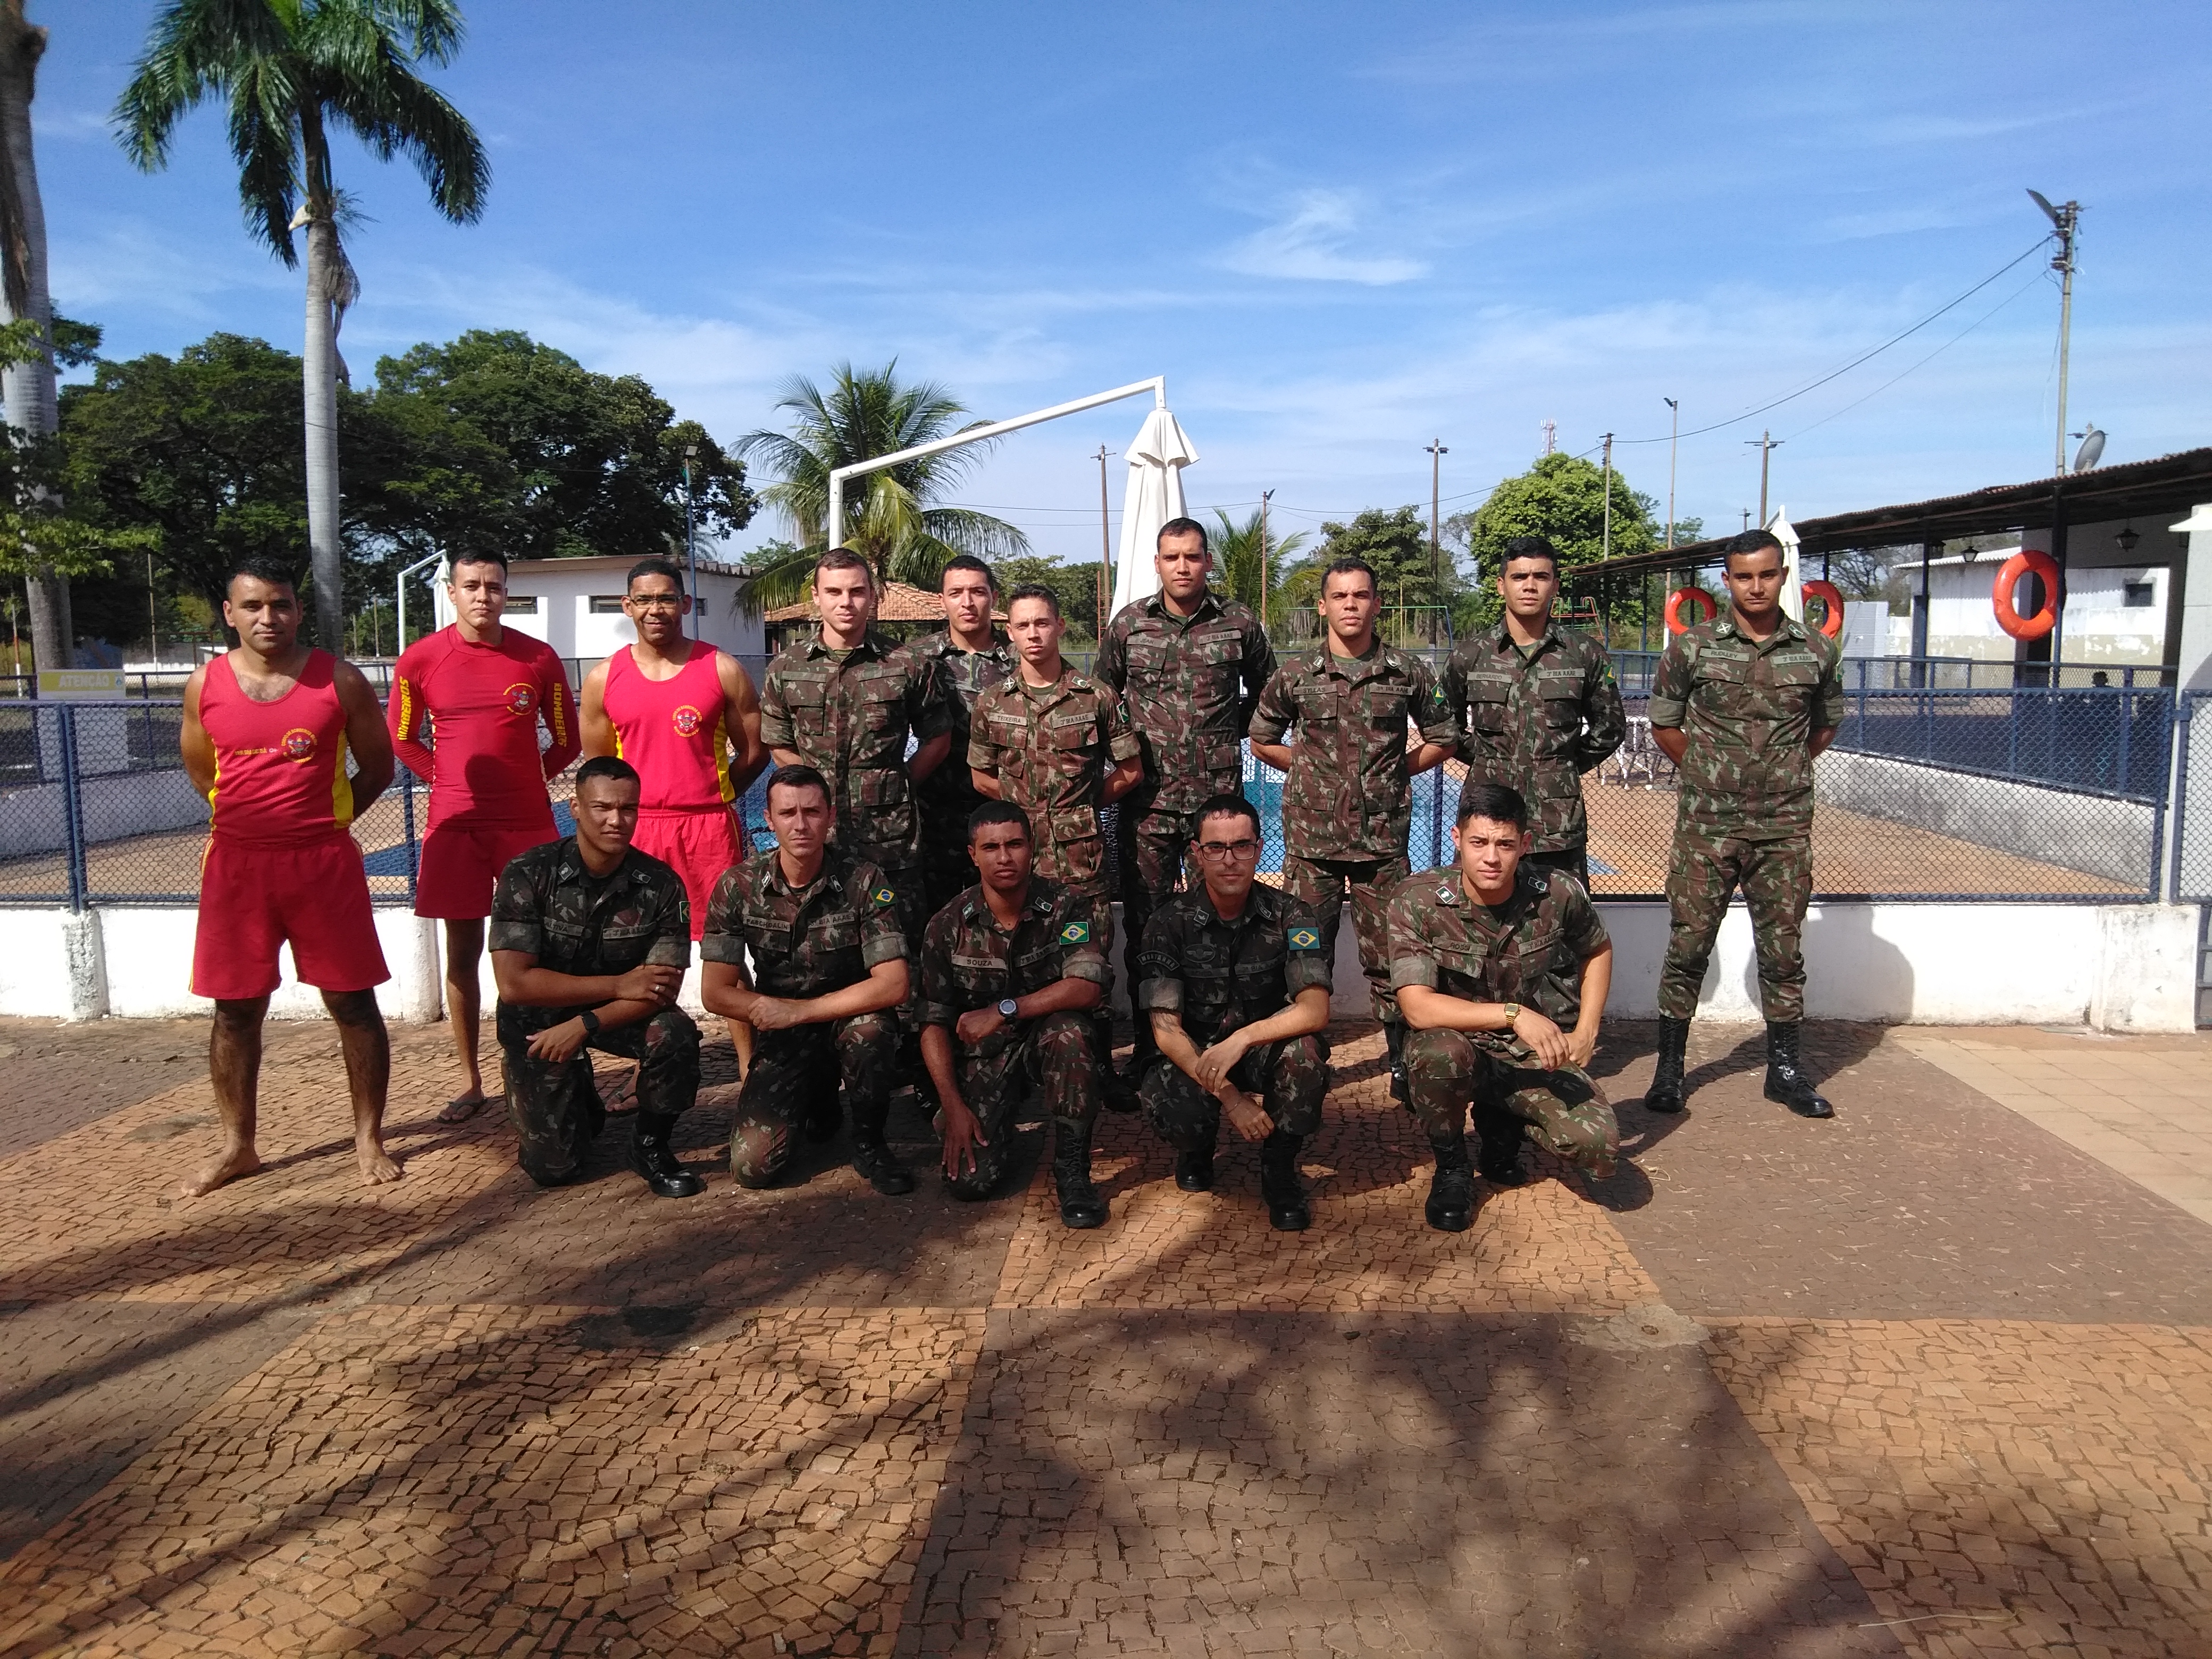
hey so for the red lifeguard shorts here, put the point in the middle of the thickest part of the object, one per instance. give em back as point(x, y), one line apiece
point(698, 845)
point(461, 864)
point(254, 897)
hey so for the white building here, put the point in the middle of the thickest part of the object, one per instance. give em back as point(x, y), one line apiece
point(575, 605)
point(2113, 613)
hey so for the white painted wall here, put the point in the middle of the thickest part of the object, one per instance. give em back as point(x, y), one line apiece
point(563, 590)
point(2100, 625)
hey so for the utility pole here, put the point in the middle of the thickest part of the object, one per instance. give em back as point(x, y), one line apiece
point(1105, 544)
point(1437, 453)
point(1266, 496)
point(1768, 443)
point(1608, 544)
point(1674, 446)
point(2065, 219)
point(691, 542)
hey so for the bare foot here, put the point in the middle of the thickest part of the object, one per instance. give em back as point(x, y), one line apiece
point(461, 1108)
point(377, 1168)
point(234, 1164)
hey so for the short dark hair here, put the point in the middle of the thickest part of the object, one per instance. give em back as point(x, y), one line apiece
point(480, 556)
point(844, 558)
point(655, 566)
point(1499, 802)
point(967, 562)
point(604, 766)
point(1529, 547)
point(1183, 527)
point(1752, 541)
point(1033, 591)
point(263, 567)
point(999, 811)
point(1348, 565)
point(1226, 805)
point(798, 777)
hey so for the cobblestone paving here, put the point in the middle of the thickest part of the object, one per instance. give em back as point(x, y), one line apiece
point(1924, 1379)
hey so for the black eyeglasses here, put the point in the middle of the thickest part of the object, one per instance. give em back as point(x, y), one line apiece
point(1222, 852)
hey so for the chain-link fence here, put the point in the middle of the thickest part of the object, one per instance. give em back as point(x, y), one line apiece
point(2192, 801)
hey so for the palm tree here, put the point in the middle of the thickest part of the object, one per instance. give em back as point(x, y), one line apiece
point(893, 518)
point(289, 71)
point(1236, 557)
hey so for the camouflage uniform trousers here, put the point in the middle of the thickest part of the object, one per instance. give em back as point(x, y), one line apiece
point(1777, 878)
point(1152, 848)
point(1054, 1055)
point(556, 1107)
point(1451, 1071)
point(1574, 861)
point(1322, 882)
point(800, 1078)
point(1290, 1077)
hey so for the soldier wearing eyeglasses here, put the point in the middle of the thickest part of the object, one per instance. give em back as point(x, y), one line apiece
point(1234, 978)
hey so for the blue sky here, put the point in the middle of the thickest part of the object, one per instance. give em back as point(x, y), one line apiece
point(1339, 231)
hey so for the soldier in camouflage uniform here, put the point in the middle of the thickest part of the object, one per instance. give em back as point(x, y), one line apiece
point(1502, 968)
point(827, 975)
point(1189, 665)
point(1234, 981)
point(1347, 803)
point(965, 659)
point(1537, 706)
point(589, 942)
point(1743, 705)
point(1011, 971)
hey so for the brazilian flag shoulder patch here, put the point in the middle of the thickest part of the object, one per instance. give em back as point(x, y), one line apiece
point(1076, 932)
point(884, 895)
point(1305, 939)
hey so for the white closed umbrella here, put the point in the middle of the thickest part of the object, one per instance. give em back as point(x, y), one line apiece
point(1793, 575)
point(1157, 456)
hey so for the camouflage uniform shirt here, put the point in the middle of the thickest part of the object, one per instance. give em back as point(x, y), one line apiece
point(1536, 719)
point(968, 961)
point(1348, 796)
point(958, 677)
point(1529, 950)
point(1222, 976)
point(848, 714)
point(1748, 709)
point(1190, 683)
point(809, 941)
point(571, 921)
point(1049, 747)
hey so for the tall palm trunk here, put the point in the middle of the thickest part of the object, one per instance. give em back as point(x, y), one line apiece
point(326, 266)
point(27, 389)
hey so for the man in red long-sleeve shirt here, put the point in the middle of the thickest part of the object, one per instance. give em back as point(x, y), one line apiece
point(483, 689)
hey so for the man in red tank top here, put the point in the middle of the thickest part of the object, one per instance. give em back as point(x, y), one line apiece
point(266, 730)
point(483, 689)
point(686, 716)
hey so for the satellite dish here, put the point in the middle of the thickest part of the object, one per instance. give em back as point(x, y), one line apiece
point(2092, 450)
point(2050, 212)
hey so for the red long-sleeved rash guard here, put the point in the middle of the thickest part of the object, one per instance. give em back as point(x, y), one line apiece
point(482, 704)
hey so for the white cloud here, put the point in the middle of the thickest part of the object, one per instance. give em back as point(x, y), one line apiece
point(1312, 245)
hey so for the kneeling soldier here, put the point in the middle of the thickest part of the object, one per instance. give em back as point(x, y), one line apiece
point(1011, 972)
point(828, 973)
point(1502, 970)
point(1236, 982)
point(589, 941)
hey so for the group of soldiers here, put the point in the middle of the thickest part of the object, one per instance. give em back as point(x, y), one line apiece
point(935, 909)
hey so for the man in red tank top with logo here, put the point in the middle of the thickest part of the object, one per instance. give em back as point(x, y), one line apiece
point(267, 727)
point(686, 716)
point(483, 689)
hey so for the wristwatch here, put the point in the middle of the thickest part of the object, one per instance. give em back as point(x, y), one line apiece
point(1512, 1013)
point(590, 1017)
point(1005, 1007)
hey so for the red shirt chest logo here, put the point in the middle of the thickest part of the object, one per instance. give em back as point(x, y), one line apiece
point(299, 745)
point(689, 722)
point(521, 698)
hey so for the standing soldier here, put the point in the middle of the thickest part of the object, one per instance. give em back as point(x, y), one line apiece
point(484, 689)
point(966, 658)
point(1347, 806)
point(1188, 664)
point(1235, 984)
point(1743, 705)
point(1538, 706)
point(1502, 968)
point(1010, 973)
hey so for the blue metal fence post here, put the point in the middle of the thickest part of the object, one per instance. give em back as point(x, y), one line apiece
point(72, 806)
point(414, 853)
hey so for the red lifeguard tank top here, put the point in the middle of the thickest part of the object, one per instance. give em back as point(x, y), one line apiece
point(280, 776)
point(673, 731)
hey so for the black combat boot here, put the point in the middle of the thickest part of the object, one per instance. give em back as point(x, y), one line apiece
point(1665, 1094)
point(1081, 1204)
point(1786, 1081)
point(875, 1161)
point(1451, 1189)
point(1283, 1194)
point(1194, 1167)
point(1116, 1093)
point(1394, 1038)
point(652, 1156)
point(1498, 1162)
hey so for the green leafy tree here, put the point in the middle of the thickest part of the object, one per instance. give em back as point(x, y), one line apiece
point(1237, 557)
point(897, 518)
point(1416, 593)
point(1563, 498)
point(1075, 585)
point(289, 73)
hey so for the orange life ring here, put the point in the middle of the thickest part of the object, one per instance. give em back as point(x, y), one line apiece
point(1680, 596)
point(1831, 624)
point(2008, 617)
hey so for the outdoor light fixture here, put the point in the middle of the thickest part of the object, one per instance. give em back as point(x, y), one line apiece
point(2127, 538)
point(1970, 552)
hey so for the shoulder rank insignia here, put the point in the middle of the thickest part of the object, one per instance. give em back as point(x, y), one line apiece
point(884, 895)
point(1076, 932)
point(1305, 938)
point(1447, 893)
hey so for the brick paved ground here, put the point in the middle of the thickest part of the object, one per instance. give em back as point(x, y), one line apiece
point(1929, 1379)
